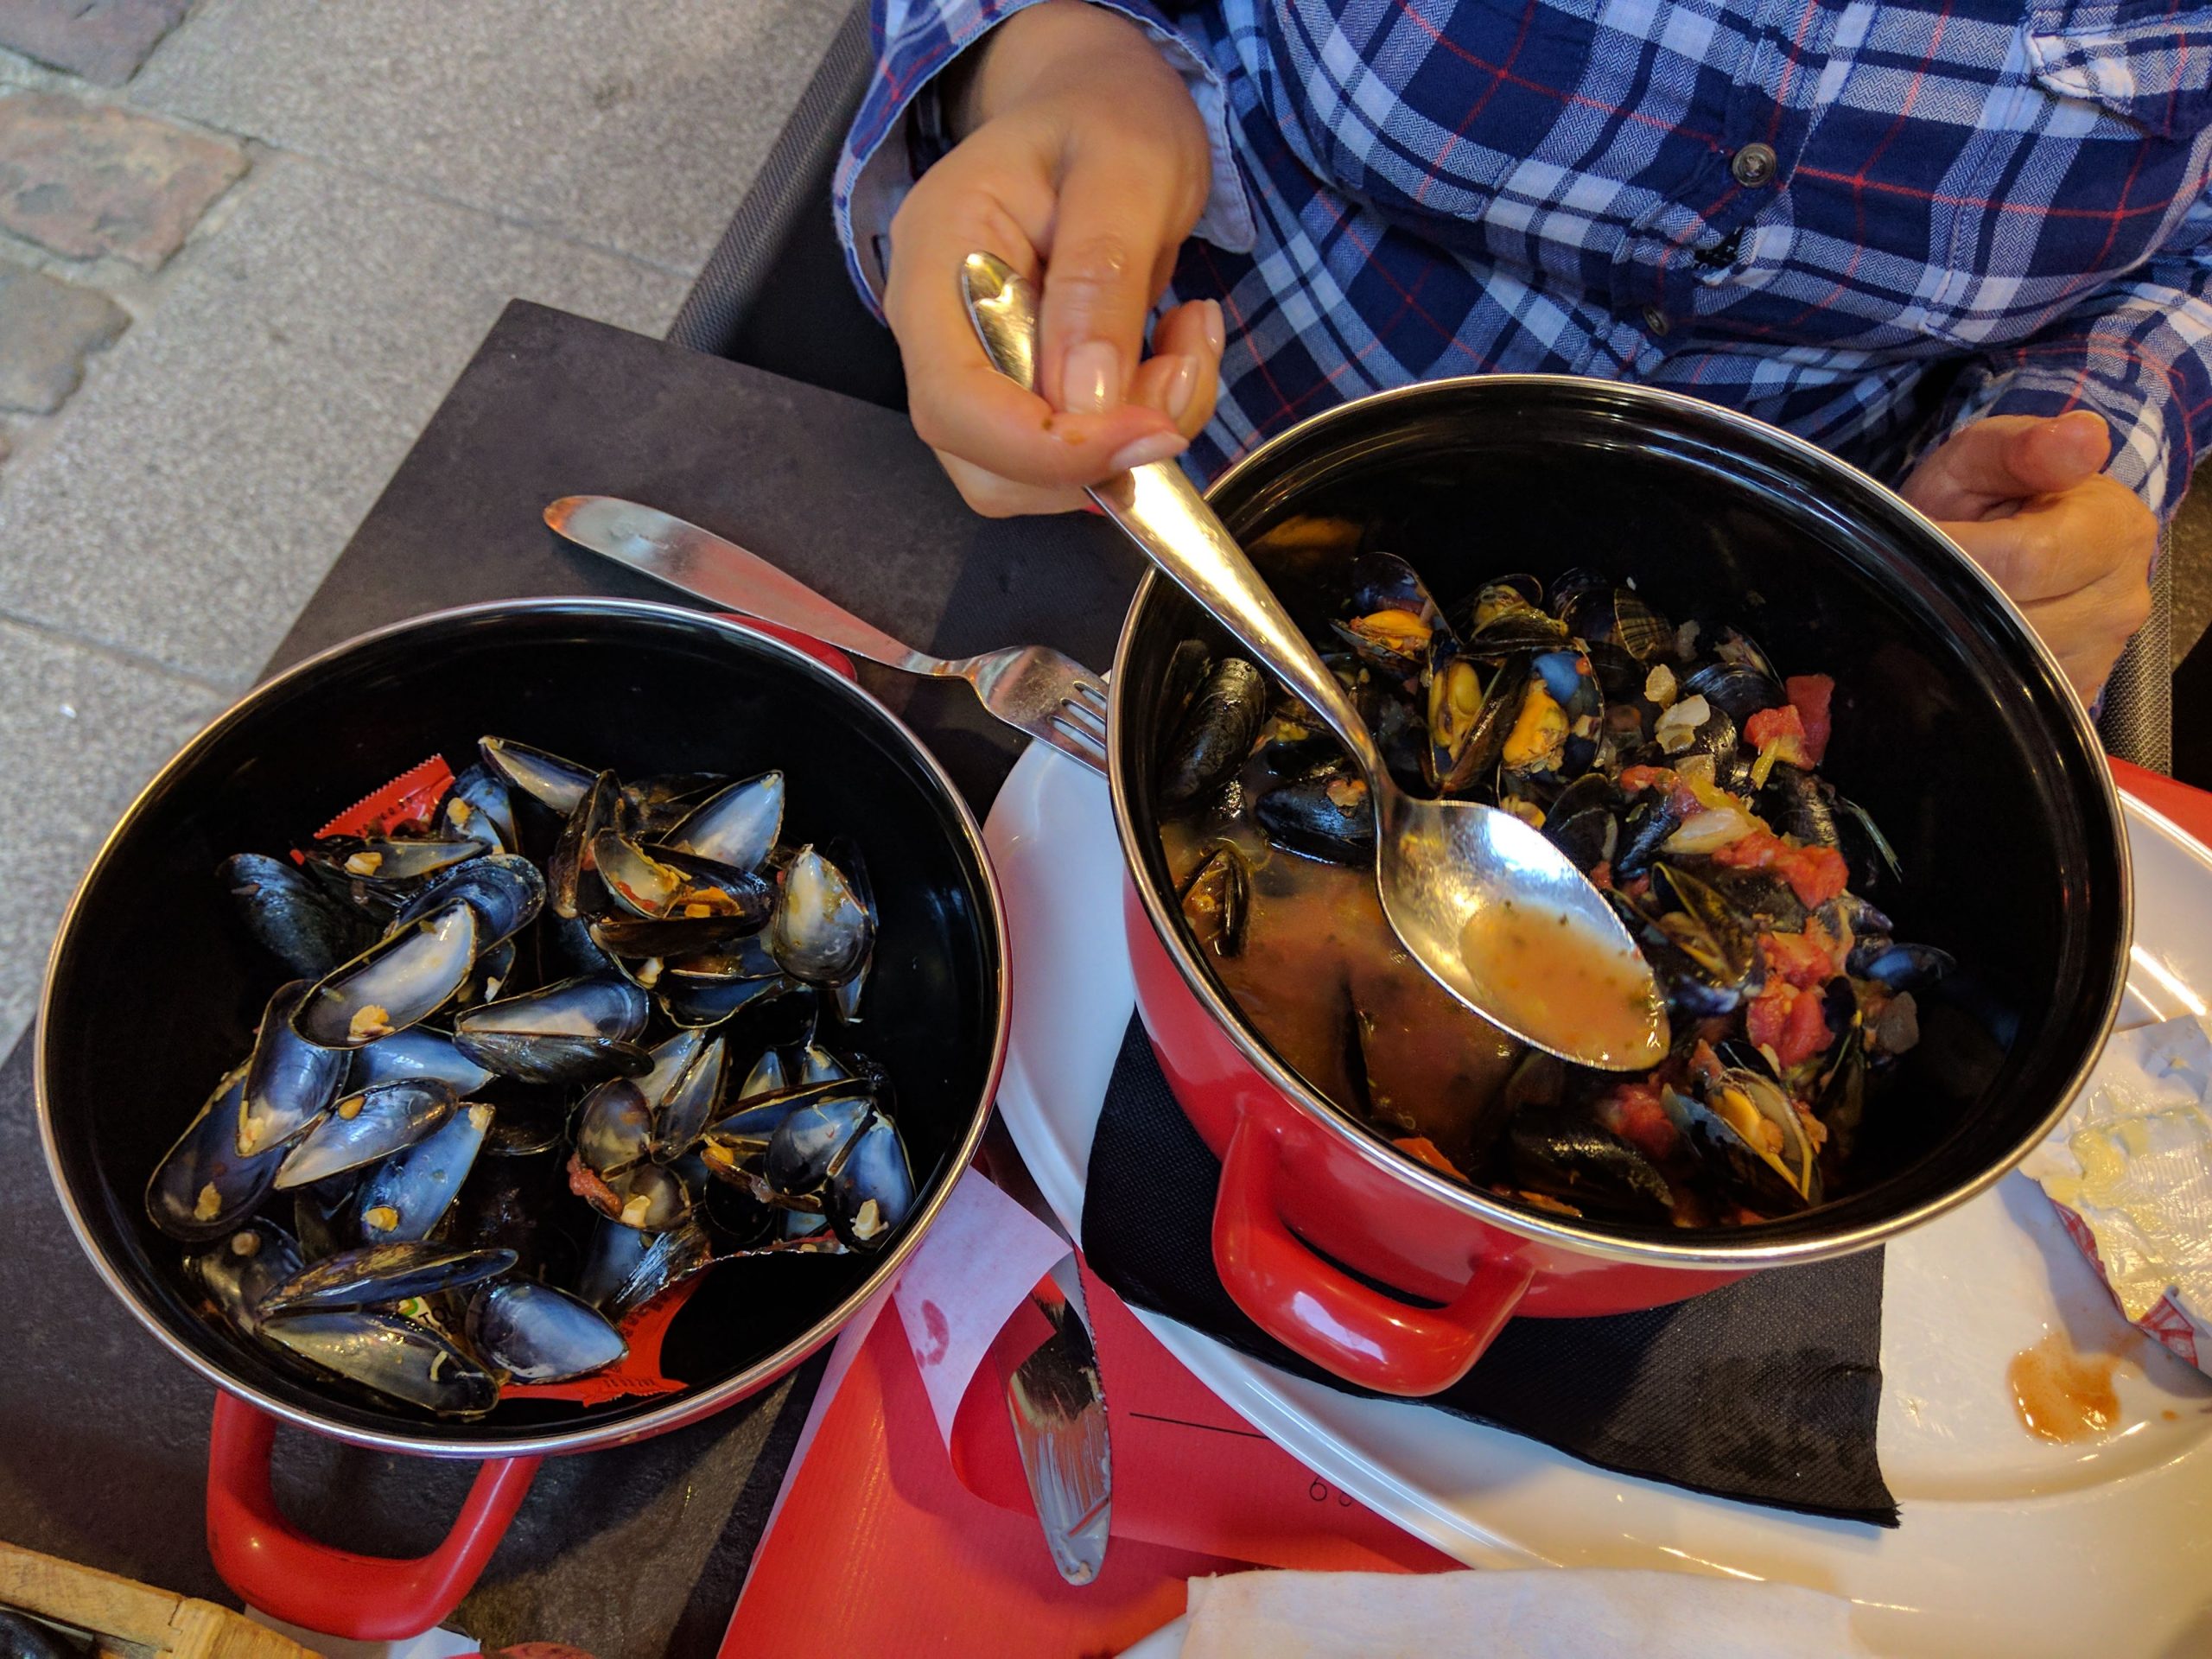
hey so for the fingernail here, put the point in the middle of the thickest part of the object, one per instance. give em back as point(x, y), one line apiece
point(1217, 336)
point(1091, 380)
point(1180, 385)
point(1157, 446)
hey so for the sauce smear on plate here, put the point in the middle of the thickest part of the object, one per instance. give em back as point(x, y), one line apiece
point(2061, 1395)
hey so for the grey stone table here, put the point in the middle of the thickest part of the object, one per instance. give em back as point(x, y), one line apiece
point(638, 1551)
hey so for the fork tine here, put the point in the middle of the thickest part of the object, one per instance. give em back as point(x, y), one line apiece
point(1069, 739)
point(1083, 714)
point(1091, 692)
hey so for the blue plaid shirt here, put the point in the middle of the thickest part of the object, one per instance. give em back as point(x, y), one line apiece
point(1798, 209)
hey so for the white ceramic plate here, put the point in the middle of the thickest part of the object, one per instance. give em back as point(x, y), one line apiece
point(2010, 1546)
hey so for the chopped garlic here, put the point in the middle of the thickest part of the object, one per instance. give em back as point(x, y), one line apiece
point(634, 1211)
point(1677, 728)
point(380, 1218)
point(369, 1023)
point(208, 1204)
point(364, 863)
point(1659, 686)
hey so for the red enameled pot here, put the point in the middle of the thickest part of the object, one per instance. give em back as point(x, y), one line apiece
point(1953, 727)
point(154, 988)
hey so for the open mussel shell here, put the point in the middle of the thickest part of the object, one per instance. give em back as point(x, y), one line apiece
point(505, 892)
point(535, 1333)
point(572, 884)
point(846, 855)
point(325, 1218)
point(615, 1127)
point(578, 1031)
point(388, 1355)
point(702, 1003)
point(556, 784)
point(681, 1112)
point(807, 1142)
point(1900, 966)
point(1470, 716)
point(870, 1191)
point(1739, 690)
point(1584, 822)
point(648, 1197)
point(661, 883)
point(364, 1127)
point(1559, 1152)
point(1216, 899)
point(1602, 614)
point(737, 827)
point(417, 1052)
point(665, 1260)
point(822, 933)
point(1757, 1144)
point(289, 1081)
point(396, 984)
point(377, 1275)
point(702, 941)
point(393, 865)
point(1216, 734)
point(292, 918)
point(202, 1189)
point(408, 1194)
point(235, 1273)
point(478, 807)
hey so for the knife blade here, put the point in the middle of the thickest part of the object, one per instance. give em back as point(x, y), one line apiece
point(1058, 1402)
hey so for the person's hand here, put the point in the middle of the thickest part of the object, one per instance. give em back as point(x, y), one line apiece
point(2029, 499)
point(1083, 165)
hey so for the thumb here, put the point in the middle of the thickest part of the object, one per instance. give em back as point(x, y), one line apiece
point(2008, 458)
point(1107, 260)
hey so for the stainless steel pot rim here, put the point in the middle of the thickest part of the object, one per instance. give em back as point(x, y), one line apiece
point(680, 1407)
point(1717, 1253)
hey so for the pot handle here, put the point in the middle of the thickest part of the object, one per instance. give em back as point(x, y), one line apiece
point(282, 1571)
point(1319, 1310)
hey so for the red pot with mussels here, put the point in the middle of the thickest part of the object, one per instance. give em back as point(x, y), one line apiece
point(1831, 781)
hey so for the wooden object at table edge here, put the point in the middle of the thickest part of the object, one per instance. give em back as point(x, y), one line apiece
point(133, 1620)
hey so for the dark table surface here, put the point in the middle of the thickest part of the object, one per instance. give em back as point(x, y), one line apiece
point(638, 1551)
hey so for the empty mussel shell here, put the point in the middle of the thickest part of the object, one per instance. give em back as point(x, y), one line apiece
point(538, 1334)
point(235, 1273)
point(701, 1004)
point(396, 984)
point(578, 1031)
point(289, 1081)
point(505, 892)
point(822, 933)
point(391, 864)
point(380, 1275)
point(408, 1194)
point(553, 782)
point(478, 807)
point(737, 827)
point(647, 1197)
point(292, 918)
point(324, 1216)
point(364, 1127)
point(202, 1189)
point(871, 1186)
point(390, 1356)
point(682, 1108)
point(415, 1052)
point(808, 1142)
point(666, 1259)
point(615, 1127)
point(682, 939)
point(572, 884)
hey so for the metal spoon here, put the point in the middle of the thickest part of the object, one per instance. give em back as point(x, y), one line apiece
point(1480, 899)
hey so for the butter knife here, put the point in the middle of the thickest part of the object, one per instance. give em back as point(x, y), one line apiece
point(1058, 1407)
point(1033, 689)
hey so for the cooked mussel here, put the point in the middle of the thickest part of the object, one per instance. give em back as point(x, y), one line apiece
point(389, 1356)
point(505, 892)
point(572, 884)
point(293, 918)
point(364, 1127)
point(391, 865)
point(870, 1189)
point(417, 1052)
point(1756, 1141)
point(822, 933)
point(737, 827)
point(538, 1334)
point(202, 1188)
point(236, 1272)
point(383, 1276)
point(1557, 1151)
point(1216, 734)
point(1216, 899)
point(1325, 815)
point(289, 1081)
point(404, 1197)
point(662, 883)
point(396, 984)
point(578, 1031)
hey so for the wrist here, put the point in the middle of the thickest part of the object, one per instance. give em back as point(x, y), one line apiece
point(1046, 47)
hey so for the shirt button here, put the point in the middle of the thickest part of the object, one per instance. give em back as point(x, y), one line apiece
point(1753, 165)
point(1654, 319)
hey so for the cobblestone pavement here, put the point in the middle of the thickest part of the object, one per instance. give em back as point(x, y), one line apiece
point(244, 246)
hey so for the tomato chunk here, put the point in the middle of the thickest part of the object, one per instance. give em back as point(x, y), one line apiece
point(1810, 694)
point(1806, 1033)
point(1633, 1112)
point(1762, 728)
point(1801, 958)
point(1768, 1016)
point(1816, 874)
point(1421, 1149)
point(1633, 780)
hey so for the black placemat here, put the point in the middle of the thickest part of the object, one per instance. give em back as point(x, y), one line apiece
point(1765, 1391)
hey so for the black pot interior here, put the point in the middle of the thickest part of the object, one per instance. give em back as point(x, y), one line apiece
point(156, 988)
point(1948, 727)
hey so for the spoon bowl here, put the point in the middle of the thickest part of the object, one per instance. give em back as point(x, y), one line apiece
point(1494, 912)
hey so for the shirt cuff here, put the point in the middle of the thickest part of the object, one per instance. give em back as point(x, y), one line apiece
point(876, 171)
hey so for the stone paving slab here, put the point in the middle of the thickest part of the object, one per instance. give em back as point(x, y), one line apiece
point(194, 492)
point(2192, 553)
point(80, 732)
point(104, 41)
point(627, 124)
point(88, 180)
point(47, 328)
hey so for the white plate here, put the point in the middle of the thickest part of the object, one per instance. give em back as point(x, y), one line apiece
point(2010, 1546)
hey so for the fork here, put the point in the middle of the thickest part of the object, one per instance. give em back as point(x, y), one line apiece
point(1033, 689)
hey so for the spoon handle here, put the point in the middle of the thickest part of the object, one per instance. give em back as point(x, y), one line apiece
point(1165, 515)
